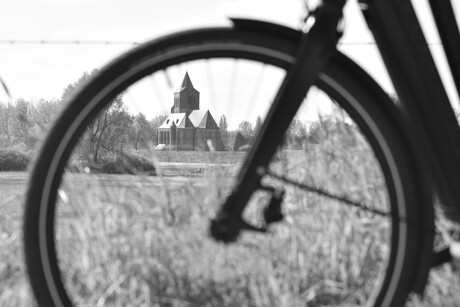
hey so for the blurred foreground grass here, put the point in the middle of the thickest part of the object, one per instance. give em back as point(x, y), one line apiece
point(142, 241)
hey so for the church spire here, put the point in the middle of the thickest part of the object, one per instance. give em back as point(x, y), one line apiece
point(187, 98)
point(186, 83)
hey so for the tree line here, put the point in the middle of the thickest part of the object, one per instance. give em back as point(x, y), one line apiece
point(23, 123)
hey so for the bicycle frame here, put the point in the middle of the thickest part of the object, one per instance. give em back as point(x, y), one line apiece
point(423, 98)
point(317, 46)
point(423, 101)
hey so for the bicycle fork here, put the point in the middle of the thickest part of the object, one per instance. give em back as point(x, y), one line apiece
point(316, 48)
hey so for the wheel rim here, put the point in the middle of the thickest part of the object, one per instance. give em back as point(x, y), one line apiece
point(52, 180)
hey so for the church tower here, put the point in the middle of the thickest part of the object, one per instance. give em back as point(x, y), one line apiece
point(187, 98)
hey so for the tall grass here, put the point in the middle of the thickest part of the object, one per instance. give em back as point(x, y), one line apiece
point(127, 240)
point(14, 289)
point(123, 253)
point(133, 240)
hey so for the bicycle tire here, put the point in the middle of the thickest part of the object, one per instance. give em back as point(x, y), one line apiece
point(411, 210)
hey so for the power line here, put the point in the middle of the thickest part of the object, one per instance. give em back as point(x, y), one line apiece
point(135, 43)
point(374, 43)
point(65, 42)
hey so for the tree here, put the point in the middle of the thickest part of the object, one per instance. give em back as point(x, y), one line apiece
point(143, 131)
point(6, 122)
point(318, 131)
point(245, 128)
point(71, 89)
point(296, 134)
point(224, 133)
point(22, 124)
point(223, 126)
point(335, 130)
point(297, 128)
point(109, 131)
point(44, 111)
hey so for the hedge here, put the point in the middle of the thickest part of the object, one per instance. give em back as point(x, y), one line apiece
point(13, 160)
point(126, 164)
point(120, 163)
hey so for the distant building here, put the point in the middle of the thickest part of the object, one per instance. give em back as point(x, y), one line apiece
point(188, 127)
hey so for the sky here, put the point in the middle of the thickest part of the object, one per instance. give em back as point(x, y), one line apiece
point(42, 70)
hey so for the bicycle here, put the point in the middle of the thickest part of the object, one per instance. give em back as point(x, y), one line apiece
point(374, 166)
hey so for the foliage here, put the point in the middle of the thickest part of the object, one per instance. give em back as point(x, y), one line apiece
point(223, 125)
point(126, 164)
point(193, 157)
point(71, 89)
point(44, 112)
point(6, 136)
point(108, 132)
point(296, 135)
point(297, 128)
point(148, 240)
point(332, 129)
point(125, 242)
point(245, 128)
point(143, 132)
point(22, 123)
point(13, 160)
point(113, 163)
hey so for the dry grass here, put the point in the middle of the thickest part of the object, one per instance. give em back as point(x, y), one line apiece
point(142, 241)
point(126, 252)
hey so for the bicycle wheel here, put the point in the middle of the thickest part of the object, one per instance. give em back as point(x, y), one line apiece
point(121, 194)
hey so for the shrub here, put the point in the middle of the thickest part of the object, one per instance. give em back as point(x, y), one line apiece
point(13, 160)
point(125, 164)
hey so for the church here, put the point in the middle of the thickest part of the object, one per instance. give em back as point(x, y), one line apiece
point(188, 127)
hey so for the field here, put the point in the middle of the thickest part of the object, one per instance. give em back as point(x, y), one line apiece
point(142, 240)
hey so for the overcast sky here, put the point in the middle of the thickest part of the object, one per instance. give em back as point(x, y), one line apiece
point(35, 71)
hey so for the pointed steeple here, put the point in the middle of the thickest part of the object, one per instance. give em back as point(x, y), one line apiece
point(187, 98)
point(186, 83)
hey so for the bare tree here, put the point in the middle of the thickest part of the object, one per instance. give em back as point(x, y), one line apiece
point(109, 130)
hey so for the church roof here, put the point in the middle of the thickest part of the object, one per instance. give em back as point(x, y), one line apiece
point(176, 119)
point(196, 119)
point(203, 119)
point(186, 83)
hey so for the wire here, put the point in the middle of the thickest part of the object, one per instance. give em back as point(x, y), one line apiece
point(134, 43)
point(65, 42)
point(374, 43)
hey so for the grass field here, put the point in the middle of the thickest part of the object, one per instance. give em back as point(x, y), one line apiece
point(142, 241)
